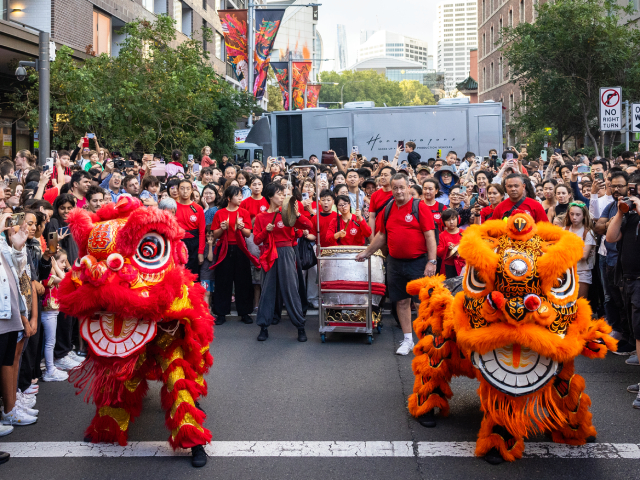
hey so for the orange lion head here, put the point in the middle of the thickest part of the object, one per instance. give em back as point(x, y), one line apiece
point(519, 317)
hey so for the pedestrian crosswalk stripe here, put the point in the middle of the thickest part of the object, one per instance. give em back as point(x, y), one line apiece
point(335, 449)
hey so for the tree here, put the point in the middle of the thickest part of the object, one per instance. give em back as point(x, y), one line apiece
point(372, 86)
point(561, 61)
point(152, 97)
point(274, 93)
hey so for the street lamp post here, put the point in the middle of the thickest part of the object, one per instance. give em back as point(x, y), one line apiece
point(342, 91)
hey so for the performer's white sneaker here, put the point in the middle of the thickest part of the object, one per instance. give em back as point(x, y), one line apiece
point(405, 347)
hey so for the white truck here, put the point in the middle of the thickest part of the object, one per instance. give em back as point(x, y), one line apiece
point(375, 131)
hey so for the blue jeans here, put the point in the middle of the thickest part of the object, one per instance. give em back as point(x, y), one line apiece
point(49, 324)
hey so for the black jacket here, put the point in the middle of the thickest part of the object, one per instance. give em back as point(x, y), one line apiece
point(414, 159)
point(40, 268)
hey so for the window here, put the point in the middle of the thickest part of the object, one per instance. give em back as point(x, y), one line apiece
point(484, 44)
point(219, 39)
point(500, 72)
point(491, 42)
point(510, 17)
point(101, 33)
point(148, 4)
point(204, 40)
point(204, 5)
point(177, 14)
point(510, 106)
point(491, 77)
point(500, 32)
point(521, 11)
point(484, 78)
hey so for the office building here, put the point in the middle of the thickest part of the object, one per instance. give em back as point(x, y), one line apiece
point(298, 34)
point(493, 72)
point(341, 60)
point(457, 34)
point(387, 44)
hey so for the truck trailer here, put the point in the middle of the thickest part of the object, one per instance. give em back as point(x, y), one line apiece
point(376, 131)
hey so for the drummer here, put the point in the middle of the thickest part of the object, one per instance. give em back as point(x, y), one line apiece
point(278, 259)
point(347, 228)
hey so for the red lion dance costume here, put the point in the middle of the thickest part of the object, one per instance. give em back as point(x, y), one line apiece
point(143, 317)
point(517, 326)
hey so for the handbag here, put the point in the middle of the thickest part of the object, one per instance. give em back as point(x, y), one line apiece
point(307, 254)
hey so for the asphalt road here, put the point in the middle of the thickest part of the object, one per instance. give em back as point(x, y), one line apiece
point(344, 390)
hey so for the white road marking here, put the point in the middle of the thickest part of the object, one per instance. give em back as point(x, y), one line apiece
point(315, 449)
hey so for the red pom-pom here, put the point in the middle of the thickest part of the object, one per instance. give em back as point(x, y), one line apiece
point(532, 302)
point(498, 299)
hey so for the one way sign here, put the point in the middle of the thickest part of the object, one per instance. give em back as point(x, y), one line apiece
point(635, 117)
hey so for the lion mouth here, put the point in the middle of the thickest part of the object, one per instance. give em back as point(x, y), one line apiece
point(515, 370)
point(112, 336)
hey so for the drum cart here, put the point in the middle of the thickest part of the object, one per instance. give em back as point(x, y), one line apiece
point(349, 310)
point(345, 310)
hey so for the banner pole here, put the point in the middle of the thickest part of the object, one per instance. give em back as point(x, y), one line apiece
point(290, 82)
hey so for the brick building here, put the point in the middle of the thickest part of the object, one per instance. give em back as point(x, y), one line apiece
point(493, 72)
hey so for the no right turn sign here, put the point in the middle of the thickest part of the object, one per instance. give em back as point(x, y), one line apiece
point(610, 109)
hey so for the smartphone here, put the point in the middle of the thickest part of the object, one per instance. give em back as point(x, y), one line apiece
point(583, 168)
point(305, 196)
point(498, 162)
point(48, 164)
point(543, 155)
point(327, 157)
point(91, 135)
point(509, 156)
point(190, 157)
point(439, 153)
point(557, 150)
point(63, 231)
point(354, 149)
point(385, 158)
point(474, 199)
point(129, 164)
point(13, 183)
point(54, 153)
point(633, 189)
point(323, 176)
point(599, 176)
point(523, 147)
point(85, 142)
point(52, 242)
point(463, 190)
point(17, 219)
point(478, 160)
point(196, 167)
point(483, 192)
point(401, 144)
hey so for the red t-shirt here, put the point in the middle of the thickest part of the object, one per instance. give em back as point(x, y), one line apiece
point(530, 206)
point(357, 231)
point(224, 214)
point(326, 240)
point(436, 210)
point(80, 203)
point(207, 162)
point(487, 213)
point(405, 236)
point(191, 217)
point(447, 238)
point(281, 233)
point(254, 207)
point(378, 199)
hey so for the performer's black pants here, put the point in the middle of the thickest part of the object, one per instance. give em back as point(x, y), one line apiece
point(234, 269)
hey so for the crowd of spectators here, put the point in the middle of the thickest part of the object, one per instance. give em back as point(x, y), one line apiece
point(246, 254)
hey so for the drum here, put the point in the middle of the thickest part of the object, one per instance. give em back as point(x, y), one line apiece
point(350, 270)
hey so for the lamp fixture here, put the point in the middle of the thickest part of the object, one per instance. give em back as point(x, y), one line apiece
point(16, 10)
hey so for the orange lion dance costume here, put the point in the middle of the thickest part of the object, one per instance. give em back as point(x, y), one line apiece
point(143, 317)
point(517, 326)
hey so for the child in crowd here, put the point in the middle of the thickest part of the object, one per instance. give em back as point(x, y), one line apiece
point(150, 189)
point(452, 263)
point(206, 160)
point(578, 221)
point(50, 310)
point(206, 275)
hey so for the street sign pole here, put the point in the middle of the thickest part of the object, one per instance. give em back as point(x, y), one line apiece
point(627, 126)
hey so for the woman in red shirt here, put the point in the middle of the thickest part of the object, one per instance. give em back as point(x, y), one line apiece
point(430, 191)
point(495, 194)
point(452, 263)
point(278, 262)
point(231, 224)
point(346, 228)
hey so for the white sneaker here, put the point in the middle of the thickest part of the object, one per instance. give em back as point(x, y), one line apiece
point(65, 363)
point(75, 357)
point(29, 411)
point(32, 390)
point(17, 417)
point(55, 376)
point(405, 347)
point(28, 401)
point(5, 430)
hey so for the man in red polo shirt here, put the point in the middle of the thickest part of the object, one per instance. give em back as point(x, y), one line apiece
point(412, 251)
point(518, 200)
point(380, 198)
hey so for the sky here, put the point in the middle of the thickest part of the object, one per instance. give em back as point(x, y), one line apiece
point(414, 18)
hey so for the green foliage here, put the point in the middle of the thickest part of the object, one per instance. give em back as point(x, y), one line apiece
point(561, 61)
point(274, 93)
point(372, 86)
point(152, 97)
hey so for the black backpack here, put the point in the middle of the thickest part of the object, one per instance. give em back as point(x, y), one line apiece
point(415, 210)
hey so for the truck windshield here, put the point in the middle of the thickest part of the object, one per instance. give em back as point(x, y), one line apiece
point(257, 154)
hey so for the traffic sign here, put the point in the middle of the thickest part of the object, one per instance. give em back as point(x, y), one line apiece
point(610, 109)
point(635, 117)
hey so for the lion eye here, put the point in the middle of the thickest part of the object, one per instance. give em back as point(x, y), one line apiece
point(564, 285)
point(474, 283)
point(152, 252)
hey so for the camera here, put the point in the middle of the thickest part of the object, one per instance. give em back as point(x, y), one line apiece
point(627, 205)
point(21, 73)
point(119, 163)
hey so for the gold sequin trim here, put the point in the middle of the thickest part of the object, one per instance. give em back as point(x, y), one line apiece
point(177, 353)
point(187, 420)
point(174, 376)
point(165, 340)
point(183, 302)
point(120, 415)
point(183, 397)
point(132, 384)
